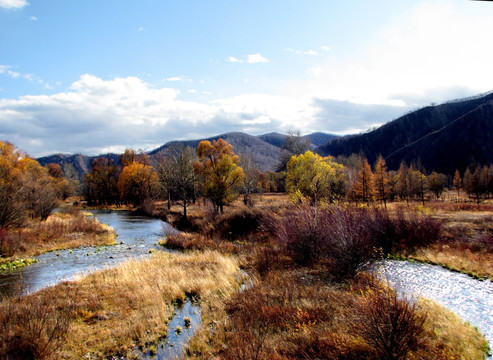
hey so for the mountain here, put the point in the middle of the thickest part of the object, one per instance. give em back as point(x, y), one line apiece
point(78, 165)
point(442, 138)
point(315, 139)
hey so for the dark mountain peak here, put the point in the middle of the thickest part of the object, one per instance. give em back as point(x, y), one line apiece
point(410, 137)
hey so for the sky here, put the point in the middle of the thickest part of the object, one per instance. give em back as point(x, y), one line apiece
point(98, 76)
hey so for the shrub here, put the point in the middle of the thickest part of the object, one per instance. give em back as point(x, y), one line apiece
point(32, 328)
point(341, 239)
point(391, 324)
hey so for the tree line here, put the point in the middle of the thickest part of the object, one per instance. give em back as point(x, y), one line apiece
point(28, 190)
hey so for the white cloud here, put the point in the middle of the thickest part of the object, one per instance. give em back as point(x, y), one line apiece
point(302, 52)
point(13, 4)
point(234, 60)
point(174, 78)
point(256, 58)
point(325, 48)
point(141, 28)
point(436, 51)
point(33, 18)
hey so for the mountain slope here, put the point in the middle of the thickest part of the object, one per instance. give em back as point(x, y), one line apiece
point(412, 136)
point(265, 155)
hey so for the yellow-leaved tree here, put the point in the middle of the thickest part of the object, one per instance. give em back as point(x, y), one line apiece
point(137, 183)
point(220, 172)
point(311, 176)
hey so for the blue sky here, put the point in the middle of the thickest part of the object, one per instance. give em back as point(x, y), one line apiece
point(95, 76)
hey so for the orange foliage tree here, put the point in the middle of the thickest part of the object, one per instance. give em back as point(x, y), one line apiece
point(218, 166)
point(138, 182)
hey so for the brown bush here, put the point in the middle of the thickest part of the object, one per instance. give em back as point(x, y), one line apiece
point(391, 324)
point(32, 328)
point(341, 239)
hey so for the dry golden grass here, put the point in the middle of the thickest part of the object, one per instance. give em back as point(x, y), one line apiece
point(118, 309)
point(59, 231)
point(296, 314)
point(448, 336)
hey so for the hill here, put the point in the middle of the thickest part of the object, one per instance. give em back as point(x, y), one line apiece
point(430, 135)
point(315, 139)
point(265, 155)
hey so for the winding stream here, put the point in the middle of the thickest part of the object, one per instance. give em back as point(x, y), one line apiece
point(137, 236)
point(471, 299)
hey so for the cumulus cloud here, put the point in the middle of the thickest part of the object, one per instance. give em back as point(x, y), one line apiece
point(436, 51)
point(13, 4)
point(302, 52)
point(98, 115)
point(256, 58)
point(234, 60)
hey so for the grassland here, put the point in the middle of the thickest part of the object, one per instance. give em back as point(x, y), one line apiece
point(114, 311)
point(291, 309)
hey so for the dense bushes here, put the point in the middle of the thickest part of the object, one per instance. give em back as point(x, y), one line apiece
point(32, 328)
point(347, 240)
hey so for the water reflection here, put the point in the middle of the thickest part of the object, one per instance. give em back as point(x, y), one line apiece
point(137, 236)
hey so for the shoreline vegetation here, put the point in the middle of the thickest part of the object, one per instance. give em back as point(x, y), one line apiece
point(68, 228)
point(115, 311)
point(295, 306)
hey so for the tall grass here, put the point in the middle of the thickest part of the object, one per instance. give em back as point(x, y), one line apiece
point(59, 231)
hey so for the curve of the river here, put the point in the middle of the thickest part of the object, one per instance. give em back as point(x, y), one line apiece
point(471, 299)
point(137, 236)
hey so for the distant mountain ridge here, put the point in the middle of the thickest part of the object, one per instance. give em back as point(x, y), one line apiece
point(442, 138)
point(264, 153)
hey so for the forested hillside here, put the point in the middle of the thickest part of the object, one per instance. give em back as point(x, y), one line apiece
point(443, 138)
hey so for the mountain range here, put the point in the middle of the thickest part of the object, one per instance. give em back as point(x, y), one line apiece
point(441, 138)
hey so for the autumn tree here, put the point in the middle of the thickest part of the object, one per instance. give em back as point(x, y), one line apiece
point(402, 183)
point(457, 182)
point(472, 184)
point(12, 205)
point(137, 182)
point(26, 188)
point(437, 183)
point(381, 181)
point(363, 186)
point(218, 165)
point(251, 182)
point(166, 169)
point(418, 183)
point(314, 177)
point(101, 182)
point(40, 189)
point(295, 144)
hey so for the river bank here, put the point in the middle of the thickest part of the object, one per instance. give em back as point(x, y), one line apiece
point(112, 311)
point(66, 229)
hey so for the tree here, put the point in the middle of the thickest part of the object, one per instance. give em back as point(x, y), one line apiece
point(402, 183)
point(418, 184)
point(12, 205)
point(166, 169)
point(437, 183)
point(381, 181)
point(26, 188)
point(457, 182)
point(295, 144)
point(101, 183)
point(472, 183)
point(218, 166)
point(363, 186)
point(314, 177)
point(251, 182)
point(137, 182)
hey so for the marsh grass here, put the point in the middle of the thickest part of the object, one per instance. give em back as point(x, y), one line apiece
point(115, 310)
point(297, 314)
point(59, 231)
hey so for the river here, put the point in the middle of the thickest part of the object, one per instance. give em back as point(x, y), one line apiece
point(471, 299)
point(137, 236)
